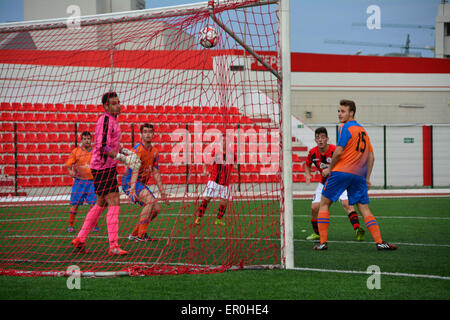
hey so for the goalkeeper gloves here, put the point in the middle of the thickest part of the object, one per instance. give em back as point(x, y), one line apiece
point(131, 160)
point(125, 151)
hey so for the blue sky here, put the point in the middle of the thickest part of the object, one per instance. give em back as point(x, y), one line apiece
point(315, 21)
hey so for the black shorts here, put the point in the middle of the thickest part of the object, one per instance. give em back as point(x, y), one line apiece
point(105, 181)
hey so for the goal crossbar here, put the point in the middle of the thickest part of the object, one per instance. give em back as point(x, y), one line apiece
point(126, 16)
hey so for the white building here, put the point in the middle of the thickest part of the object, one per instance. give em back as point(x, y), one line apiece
point(48, 9)
point(443, 31)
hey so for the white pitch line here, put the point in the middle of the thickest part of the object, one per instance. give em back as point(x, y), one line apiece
point(395, 274)
point(241, 215)
point(382, 217)
point(227, 238)
point(372, 243)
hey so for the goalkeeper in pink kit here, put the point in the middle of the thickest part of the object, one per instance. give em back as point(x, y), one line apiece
point(105, 157)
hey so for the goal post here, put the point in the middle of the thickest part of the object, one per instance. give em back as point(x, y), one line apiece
point(288, 232)
point(53, 78)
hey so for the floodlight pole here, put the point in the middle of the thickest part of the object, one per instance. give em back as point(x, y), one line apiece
point(287, 229)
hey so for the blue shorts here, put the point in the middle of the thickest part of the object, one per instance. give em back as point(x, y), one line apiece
point(139, 187)
point(338, 182)
point(83, 191)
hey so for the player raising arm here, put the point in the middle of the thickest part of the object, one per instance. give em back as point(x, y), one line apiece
point(134, 184)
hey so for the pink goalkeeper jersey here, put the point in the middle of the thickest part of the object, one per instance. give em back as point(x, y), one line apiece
point(107, 133)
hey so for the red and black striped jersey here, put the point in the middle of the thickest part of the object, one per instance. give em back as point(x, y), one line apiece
point(221, 170)
point(320, 160)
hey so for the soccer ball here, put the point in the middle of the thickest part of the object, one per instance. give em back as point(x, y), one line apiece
point(208, 37)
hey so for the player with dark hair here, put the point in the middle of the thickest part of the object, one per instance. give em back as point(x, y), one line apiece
point(105, 157)
point(219, 181)
point(134, 183)
point(83, 184)
point(320, 156)
point(350, 169)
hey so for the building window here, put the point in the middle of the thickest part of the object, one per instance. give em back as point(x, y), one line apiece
point(447, 28)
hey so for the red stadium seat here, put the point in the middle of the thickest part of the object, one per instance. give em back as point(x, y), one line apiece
point(61, 137)
point(205, 110)
point(163, 168)
point(165, 179)
point(6, 106)
point(6, 116)
point(55, 158)
point(6, 126)
point(32, 170)
point(21, 159)
point(92, 108)
point(187, 109)
point(34, 182)
point(46, 181)
point(132, 117)
point(33, 137)
point(32, 159)
point(70, 108)
point(50, 117)
point(56, 181)
point(179, 169)
point(7, 148)
point(34, 117)
point(189, 118)
point(9, 137)
point(80, 107)
point(9, 170)
point(91, 117)
point(49, 107)
point(65, 148)
point(38, 107)
point(171, 118)
point(8, 159)
point(178, 109)
point(16, 105)
point(43, 159)
point(43, 148)
point(58, 169)
point(67, 181)
point(215, 110)
point(141, 108)
point(45, 170)
point(81, 117)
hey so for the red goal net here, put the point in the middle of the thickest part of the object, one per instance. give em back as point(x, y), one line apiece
point(53, 75)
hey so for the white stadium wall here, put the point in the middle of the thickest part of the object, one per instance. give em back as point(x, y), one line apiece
point(401, 93)
point(441, 155)
point(419, 96)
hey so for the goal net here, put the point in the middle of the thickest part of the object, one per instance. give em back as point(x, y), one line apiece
point(53, 76)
